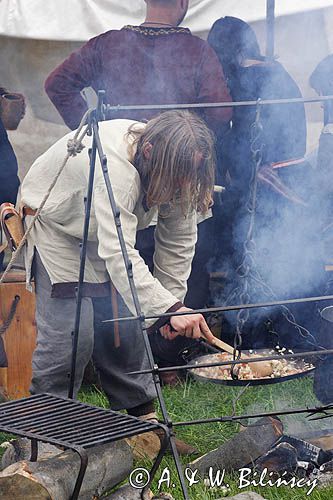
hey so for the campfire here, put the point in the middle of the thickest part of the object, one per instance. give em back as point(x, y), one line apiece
point(263, 454)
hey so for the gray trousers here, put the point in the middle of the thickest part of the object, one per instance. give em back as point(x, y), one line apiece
point(51, 363)
point(113, 363)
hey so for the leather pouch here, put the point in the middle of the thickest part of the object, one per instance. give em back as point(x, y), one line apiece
point(12, 225)
point(12, 109)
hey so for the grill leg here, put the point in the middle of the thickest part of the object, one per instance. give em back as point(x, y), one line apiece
point(165, 443)
point(164, 447)
point(178, 466)
point(83, 466)
point(34, 450)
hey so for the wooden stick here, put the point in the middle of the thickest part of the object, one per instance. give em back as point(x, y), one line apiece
point(262, 368)
point(115, 310)
point(222, 345)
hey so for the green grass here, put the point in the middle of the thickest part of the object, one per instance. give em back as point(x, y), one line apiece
point(195, 400)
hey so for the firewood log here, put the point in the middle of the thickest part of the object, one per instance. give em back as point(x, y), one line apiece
point(20, 449)
point(54, 478)
point(243, 449)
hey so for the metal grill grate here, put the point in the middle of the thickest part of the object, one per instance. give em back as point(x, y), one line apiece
point(71, 424)
point(58, 420)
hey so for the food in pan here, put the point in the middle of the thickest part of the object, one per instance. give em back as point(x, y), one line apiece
point(280, 368)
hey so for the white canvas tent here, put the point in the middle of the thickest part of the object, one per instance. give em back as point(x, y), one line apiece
point(79, 20)
point(36, 35)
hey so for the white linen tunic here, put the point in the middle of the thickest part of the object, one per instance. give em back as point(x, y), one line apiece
point(58, 231)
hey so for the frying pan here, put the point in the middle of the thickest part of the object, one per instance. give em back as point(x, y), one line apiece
point(202, 353)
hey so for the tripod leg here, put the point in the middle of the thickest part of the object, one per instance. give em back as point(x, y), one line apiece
point(83, 253)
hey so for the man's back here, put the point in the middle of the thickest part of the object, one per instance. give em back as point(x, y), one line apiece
point(141, 65)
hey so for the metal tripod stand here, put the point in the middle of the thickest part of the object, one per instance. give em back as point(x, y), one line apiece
point(97, 149)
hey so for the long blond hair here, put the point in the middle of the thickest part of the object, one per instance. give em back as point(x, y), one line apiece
point(181, 163)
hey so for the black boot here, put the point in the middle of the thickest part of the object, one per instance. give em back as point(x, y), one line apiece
point(323, 380)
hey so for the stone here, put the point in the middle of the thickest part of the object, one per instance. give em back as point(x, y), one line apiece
point(127, 492)
point(246, 495)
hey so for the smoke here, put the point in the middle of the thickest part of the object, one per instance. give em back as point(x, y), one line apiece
point(282, 256)
point(298, 424)
point(288, 248)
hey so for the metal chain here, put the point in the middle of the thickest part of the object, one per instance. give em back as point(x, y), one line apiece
point(247, 263)
point(247, 270)
point(285, 311)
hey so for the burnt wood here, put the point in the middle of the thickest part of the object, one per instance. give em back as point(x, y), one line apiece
point(244, 448)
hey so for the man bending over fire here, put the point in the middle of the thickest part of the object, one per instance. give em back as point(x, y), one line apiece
point(163, 168)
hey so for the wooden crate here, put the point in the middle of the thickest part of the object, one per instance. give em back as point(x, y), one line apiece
point(19, 339)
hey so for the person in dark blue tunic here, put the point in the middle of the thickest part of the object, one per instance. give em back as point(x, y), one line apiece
point(251, 76)
point(321, 81)
point(9, 181)
point(283, 200)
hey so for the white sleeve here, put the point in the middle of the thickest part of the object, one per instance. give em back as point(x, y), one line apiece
point(154, 298)
point(175, 238)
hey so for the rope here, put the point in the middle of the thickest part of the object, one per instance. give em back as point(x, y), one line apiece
point(74, 146)
point(6, 324)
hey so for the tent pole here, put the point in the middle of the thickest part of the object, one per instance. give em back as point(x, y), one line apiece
point(270, 28)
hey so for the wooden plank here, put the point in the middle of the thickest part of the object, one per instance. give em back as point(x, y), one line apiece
point(19, 340)
point(15, 276)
